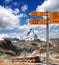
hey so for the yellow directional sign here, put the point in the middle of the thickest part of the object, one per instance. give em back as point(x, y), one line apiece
point(54, 17)
point(37, 13)
point(37, 21)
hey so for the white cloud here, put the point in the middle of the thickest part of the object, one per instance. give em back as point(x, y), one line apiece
point(3, 36)
point(15, 3)
point(15, 35)
point(24, 8)
point(11, 35)
point(27, 20)
point(53, 31)
point(16, 11)
point(28, 26)
point(22, 15)
point(50, 5)
point(9, 18)
point(8, 1)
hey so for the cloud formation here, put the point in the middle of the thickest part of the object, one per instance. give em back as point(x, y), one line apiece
point(15, 3)
point(8, 1)
point(24, 8)
point(3, 36)
point(49, 5)
point(9, 18)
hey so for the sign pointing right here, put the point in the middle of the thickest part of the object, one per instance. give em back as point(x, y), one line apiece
point(54, 17)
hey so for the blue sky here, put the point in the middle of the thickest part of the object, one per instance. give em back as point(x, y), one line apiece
point(14, 17)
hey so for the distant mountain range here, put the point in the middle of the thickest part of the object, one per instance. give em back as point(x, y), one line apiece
point(29, 37)
point(54, 41)
point(28, 44)
point(32, 36)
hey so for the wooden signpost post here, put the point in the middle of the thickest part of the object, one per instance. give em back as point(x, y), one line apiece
point(54, 19)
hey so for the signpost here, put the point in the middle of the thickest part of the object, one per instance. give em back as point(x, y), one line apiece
point(54, 19)
point(38, 14)
point(37, 21)
point(47, 37)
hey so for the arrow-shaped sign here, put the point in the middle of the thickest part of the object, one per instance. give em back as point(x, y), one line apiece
point(37, 21)
point(38, 14)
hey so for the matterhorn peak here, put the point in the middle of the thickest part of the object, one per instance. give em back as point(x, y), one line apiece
point(31, 35)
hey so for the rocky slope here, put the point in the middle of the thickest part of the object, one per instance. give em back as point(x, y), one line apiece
point(7, 47)
point(55, 41)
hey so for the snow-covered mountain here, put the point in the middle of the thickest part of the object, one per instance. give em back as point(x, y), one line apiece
point(31, 35)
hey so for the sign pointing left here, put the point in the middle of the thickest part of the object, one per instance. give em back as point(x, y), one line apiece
point(37, 13)
point(37, 21)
